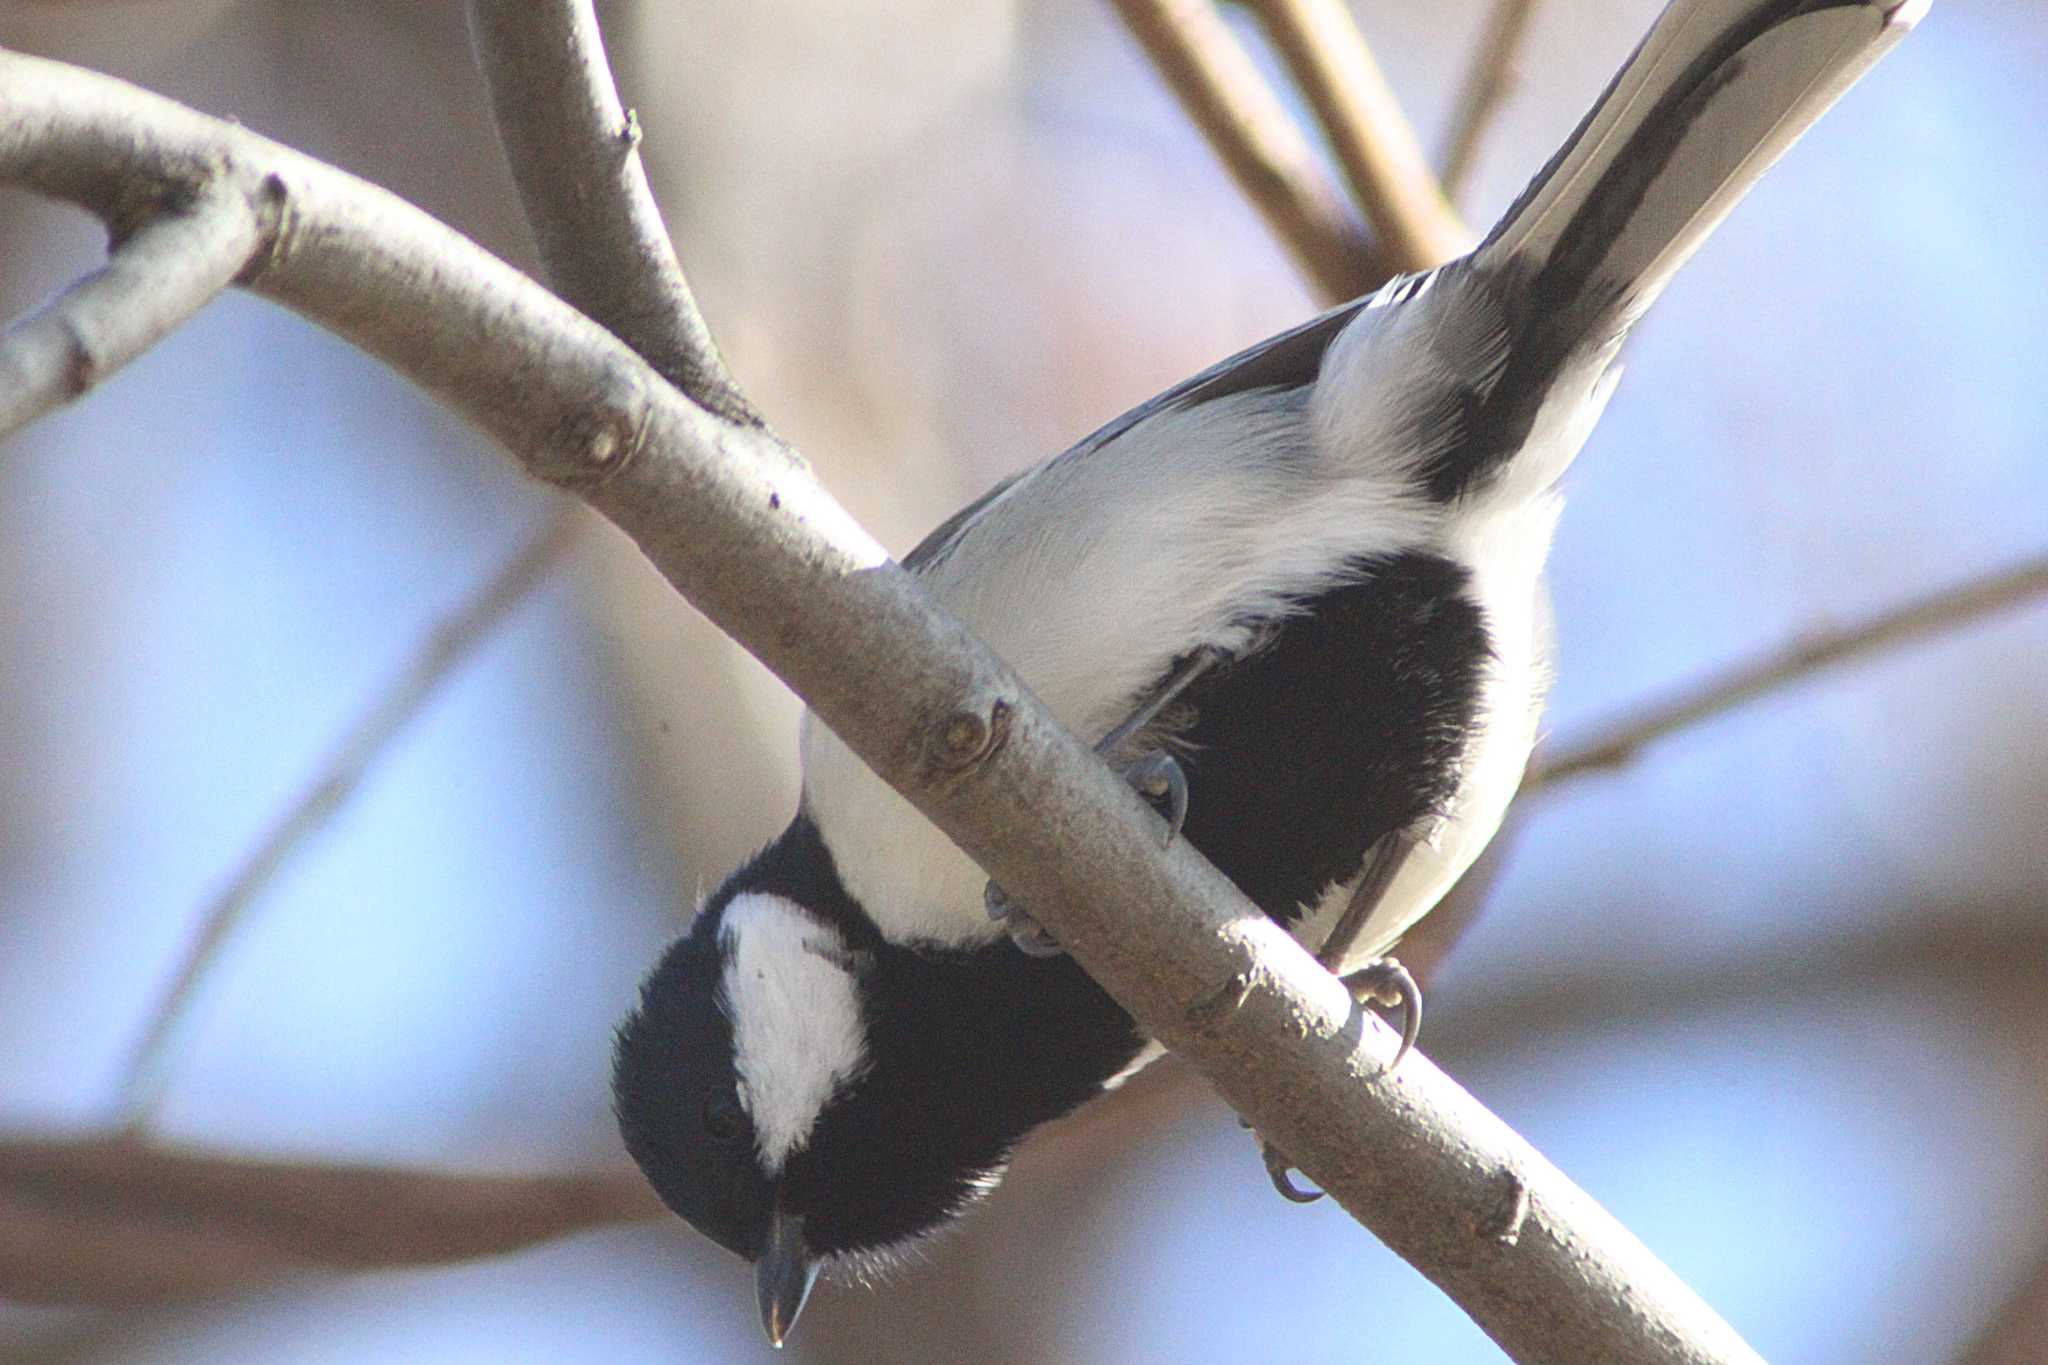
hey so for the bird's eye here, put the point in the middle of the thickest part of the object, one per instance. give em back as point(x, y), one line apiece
point(723, 1119)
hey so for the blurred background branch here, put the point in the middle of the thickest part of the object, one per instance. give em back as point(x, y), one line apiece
point(122, 1223)
point(1414, 226)
point(341, 774)
point(1488, 78)
point(1618, 741)
point(1226, 97)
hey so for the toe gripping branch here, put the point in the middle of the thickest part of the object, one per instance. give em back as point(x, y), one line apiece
point(1155, 774)
point(1383, 981)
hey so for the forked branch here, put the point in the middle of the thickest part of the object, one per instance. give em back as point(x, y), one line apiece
point(173, 264)
point(1258, 142)
point(1413, 224)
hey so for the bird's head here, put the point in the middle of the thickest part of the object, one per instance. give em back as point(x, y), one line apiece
point(773, 1086)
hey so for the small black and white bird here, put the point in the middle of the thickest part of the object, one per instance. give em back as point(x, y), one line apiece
point(1300, 596)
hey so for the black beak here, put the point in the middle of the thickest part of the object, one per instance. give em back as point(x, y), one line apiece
point(783, 1276)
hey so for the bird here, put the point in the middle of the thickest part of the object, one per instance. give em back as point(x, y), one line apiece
point(1297, 599)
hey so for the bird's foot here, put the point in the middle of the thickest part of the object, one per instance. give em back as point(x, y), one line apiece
point(1156, 775)
point(1281, 1172)
point(1387, 983)
point(1031, 937)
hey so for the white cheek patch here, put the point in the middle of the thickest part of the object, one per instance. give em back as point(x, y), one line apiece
point(797, 1033)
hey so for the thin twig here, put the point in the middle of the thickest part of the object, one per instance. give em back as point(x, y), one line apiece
point(445, 648)
point(120, 1222)
point(733, 518)
point(1414, 224)
point(577, 162)
point(575, 157)
point(1617, 742)
point(1487, 82)
point(1925, 948)
point(169, 269)
point(1258, 142)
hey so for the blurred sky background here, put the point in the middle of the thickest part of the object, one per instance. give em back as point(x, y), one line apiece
point(940, 239)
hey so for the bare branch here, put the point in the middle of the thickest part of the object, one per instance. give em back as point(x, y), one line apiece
point(176, 261)
point(1486, 85)
point(120, 1222)
point(575, 157)
point(451, 642)
point(1225, 96)
point(731, 516)
point(1621, 740)
point(1415, 225)
point(1927, 950)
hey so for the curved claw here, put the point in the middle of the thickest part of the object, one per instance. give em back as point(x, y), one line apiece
point(1281, 1172)
point(1387, 982)
point(1160, 774)
point(1031, 938)
point(1027, 933)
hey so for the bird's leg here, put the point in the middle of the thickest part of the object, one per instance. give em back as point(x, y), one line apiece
point(1383, 981)
point(1155, 774)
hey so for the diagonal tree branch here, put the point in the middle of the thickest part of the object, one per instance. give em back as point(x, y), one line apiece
point(1415, 225)
point(1257, 140)
point(575, 157)
point(1619, 741)
point(120, 1222)
point(438, 656)
point(730, 515)
point(1486, 86)
point(160, 275)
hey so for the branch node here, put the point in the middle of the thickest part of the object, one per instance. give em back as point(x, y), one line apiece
point(599, 440)
point(1502, 1223)
point(966, 738)
point(629, 131)
point(1219, 1005)
point(272, 204)
point(82, 367)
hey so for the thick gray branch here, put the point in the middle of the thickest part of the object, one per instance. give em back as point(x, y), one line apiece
point(734, 520)
point(169, 269)
point(575, 157)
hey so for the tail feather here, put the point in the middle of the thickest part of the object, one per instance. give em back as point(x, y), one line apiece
point(1715, 94)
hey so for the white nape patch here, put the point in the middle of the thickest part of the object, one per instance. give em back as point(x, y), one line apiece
point(798, 1039)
